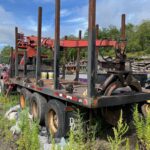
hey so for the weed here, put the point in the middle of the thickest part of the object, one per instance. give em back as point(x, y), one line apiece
point(119, 132)
point(142, 126)
point(5, 134)
point(127, 145)
point(8, 101)
point(29, 137)
point(82, 136)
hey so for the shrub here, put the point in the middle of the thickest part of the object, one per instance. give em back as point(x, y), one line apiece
point(119, 132)
point(83, 135)
point(29, 137)
point(142, 126)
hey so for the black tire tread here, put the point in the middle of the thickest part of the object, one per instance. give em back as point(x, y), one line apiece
point(59, 107)
point(41, 103)
point(27, 94)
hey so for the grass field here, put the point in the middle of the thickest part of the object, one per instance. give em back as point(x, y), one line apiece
point(97, 136)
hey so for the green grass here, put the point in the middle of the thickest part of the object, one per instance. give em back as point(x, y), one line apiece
point(142, 126)
point(5, 134)
point(82, 137)
point(8, 102)
point(119, 133)
point(29, 136)
point(28, 139)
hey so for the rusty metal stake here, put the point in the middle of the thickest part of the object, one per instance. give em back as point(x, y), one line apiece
point(11, 62)
point(16, 52)
point(91, 48)
point(64, 62)
point(25, 63)
point(97, 52)
point(123, 27)
point(78, 59)
point(57, 44)
point(38, 54)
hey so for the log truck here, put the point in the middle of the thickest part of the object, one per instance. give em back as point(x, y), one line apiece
point(53, 101)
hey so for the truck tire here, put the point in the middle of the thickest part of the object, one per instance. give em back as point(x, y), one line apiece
point(112, 114)
point(37, 107)
point(24, 98)
point(3, 88)
point(145, 109)
point(55, 119)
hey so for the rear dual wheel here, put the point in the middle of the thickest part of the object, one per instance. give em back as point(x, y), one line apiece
point(24, 98)
point(52, 114)
point(112, 114)
point(145, 109)
point(37, 107)
point(55, 119)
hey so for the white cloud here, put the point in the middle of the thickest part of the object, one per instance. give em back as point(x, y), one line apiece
point(65, 12)
point(44, 1)
point(47, 1)
point(29, 27)
point(108, 12)
point(76, 20)
point(7, 26)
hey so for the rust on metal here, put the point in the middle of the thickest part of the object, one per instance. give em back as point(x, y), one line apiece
point(11, 62)
point(38, 54)
point(57, 44)
point(25, 63)
point(123, 27)
point(91, 48)
point(78, 59)
point(123, 34)
point(97, 50)
point(64, 62)
point(16, 51)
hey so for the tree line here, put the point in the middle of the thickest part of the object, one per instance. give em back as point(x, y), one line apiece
point(138, 42)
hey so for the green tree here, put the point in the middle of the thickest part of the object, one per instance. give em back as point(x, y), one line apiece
point(132, 38)
point(5, 55)
point(144, 35)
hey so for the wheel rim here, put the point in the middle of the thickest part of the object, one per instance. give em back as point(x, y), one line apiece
point(111, 116)
point(34, 109)
point(52, 122)
point(22, 102)
point(146, 109)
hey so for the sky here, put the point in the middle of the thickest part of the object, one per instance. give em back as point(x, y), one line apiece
point(74, 16)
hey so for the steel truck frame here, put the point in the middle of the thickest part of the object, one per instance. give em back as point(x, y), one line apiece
point(52, 101)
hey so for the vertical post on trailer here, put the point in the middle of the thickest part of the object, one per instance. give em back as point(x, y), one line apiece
point(123, 27)
point(78, 59)
point(16, 51)
point(38, 54)
point(64, 63)
point(25, 63)
point(97, 51)
point(11, 62)
point(123, 34)
point(91, 48)
point(57, 44)
point(122, 44)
